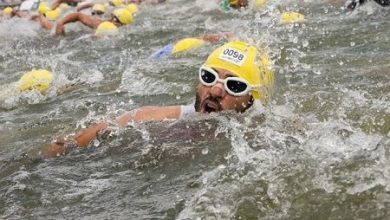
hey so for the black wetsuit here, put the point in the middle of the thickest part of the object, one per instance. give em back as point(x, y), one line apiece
point(354, 3)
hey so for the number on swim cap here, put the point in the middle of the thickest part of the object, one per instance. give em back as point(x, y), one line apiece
point(233, 56)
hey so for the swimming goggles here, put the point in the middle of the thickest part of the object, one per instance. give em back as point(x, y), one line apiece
point(233, 85)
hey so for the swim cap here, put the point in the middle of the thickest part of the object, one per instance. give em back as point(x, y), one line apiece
point(187, 44)
point(260, 3)
point(106, 29)
point(35, 79)
point(7, 11)
point(116, 3)
point(133, 8)
point(291, 17)
point(43, 8)
point(64, 6)
point(124, 16)
point(99, 7)
point(247, 62)
point(52, 15)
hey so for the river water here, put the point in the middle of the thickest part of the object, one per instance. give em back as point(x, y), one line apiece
point(320, 150)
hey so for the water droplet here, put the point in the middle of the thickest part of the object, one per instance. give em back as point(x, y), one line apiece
point(305, 43)
point(205, 151)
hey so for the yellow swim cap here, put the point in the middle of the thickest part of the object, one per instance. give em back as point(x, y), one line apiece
point(291, 17)
point(124, 16)
point(64, 6)
point(99, 7)
point(187, 44)
point(7, 11)
point(116, 3)
point(246, 62)
point(260, 3)
point(106, 29)
point(133, 8)
point(43, 8)
point(52, 15)
point(35, 79)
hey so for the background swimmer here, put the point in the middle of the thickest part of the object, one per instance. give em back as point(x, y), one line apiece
point(186, 44)
point(118, 18)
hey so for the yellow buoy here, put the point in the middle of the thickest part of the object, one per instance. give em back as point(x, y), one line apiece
point(187, 44)
point(291, 17)
point(36, 79)
point(106, 29)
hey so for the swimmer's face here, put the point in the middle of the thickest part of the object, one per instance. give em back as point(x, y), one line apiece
point(215, 98)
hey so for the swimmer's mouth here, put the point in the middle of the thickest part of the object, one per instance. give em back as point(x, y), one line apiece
point(209, 106)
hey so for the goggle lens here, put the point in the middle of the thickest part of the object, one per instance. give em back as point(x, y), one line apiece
point(207, 76)
point(233, 85)
point(236, 86)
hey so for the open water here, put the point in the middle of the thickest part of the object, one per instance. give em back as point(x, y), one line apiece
point(320, 150)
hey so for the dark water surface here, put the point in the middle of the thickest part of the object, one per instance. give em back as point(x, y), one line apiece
point(322, 151)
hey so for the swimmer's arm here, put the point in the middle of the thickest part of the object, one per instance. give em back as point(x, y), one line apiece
point(84, 6)
point(150, 113)
point(45, 23)
point(74, 17)
point(215, 38)
point(84, 137)
point(57, 3)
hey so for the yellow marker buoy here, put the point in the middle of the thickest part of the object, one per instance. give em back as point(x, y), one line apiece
point(36, 79)
point(187, 44)
point(106, 29)
point(133, 8)
point(7, 11)
point(291, 17)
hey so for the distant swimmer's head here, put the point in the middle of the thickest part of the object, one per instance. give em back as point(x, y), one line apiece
point(116, 3)
point(39, 80)
point(260, 3)
point(98, 9)
point(187, 44)
point(106, 29)
point(64, 6)
point(43, 8)
point(121, 16)
point(291, 17)
point(226, 5)
point(7, 11)
point(53, 15)
point(233, 76)
point(133, 8)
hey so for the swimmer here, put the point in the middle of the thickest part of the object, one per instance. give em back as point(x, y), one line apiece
point(226, 5)
point(72, 3)
point(187, 44)
point(352, 4)
point(147, 1)
point(119, 17)
point(233, 77)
